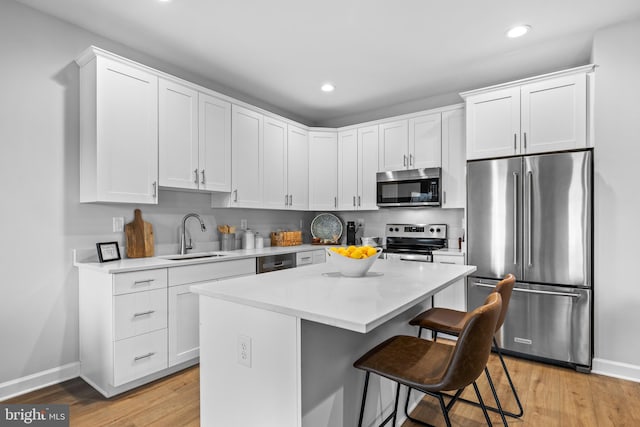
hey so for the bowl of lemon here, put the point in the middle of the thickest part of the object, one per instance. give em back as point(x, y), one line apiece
point(353, 261)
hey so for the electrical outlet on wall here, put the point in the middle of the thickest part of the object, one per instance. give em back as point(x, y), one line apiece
point(360, 222)
point(244, 350)
point(118, 224)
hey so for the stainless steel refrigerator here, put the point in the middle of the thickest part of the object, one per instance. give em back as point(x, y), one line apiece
point(532, 216)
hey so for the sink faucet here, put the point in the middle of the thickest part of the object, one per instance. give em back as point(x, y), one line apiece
point(183, 240)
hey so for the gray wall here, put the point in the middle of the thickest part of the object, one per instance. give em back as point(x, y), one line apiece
point(617, 198)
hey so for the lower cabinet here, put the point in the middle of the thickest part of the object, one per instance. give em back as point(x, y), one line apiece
point(454, 296)
point(138, 326)
point(310, 257)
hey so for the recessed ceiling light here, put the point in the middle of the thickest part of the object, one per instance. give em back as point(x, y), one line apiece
point(518, 31)
point(327, 87)
point(164, 1)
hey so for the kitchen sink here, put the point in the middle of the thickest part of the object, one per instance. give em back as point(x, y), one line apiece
point(178, 257)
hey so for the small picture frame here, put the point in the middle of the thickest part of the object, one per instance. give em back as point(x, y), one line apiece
point(108, 251)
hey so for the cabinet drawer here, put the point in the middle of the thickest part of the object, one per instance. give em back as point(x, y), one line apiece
point(211, 271)
point(139, 356)
point(304, 258)
point(136, 281)
point(319, 257)
point(448, 259)
point(139, 313)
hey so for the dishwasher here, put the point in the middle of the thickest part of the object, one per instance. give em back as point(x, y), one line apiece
point(268, 263)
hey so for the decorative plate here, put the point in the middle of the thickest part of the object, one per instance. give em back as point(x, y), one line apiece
point(326, 226)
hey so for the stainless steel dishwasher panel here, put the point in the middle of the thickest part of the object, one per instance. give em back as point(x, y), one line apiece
point(543, 321)
point(265, 264)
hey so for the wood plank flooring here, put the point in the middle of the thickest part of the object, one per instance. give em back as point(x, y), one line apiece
point(551, 396)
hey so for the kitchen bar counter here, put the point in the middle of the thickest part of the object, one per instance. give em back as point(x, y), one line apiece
point(283, 343)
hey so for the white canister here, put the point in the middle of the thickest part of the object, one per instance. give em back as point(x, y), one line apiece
point(259, 241)
point(248, 240)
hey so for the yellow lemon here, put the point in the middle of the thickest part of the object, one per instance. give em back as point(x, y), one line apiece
point(371, 251)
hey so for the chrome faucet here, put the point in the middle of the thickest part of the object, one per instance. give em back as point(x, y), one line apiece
point(183, 240)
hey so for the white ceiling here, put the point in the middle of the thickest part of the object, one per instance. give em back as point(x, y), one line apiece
point(379, 53)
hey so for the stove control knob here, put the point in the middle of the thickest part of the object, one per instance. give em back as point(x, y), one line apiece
point(390, 228)
point(431, 230)
point(438, 230)
point(397, 229)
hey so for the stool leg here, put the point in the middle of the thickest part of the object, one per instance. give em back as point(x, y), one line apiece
point(506, 371)
point(445, 411)
point(395, 407)
point(484, 408)
point(364, 398)
point(495, 396)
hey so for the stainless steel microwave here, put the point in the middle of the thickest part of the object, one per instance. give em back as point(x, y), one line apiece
point(414, 187)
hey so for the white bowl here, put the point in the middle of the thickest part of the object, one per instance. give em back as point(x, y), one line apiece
point(351, 267)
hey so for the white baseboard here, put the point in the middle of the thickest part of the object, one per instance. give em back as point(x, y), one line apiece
point(38, 380)
point(614, 369)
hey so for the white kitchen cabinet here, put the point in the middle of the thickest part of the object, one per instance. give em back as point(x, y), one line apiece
point(454, 188)
point(122, 328)
point(393, 146)
point(118, 130)
point(298, 168)
point(310, 257)
point(178, 135)
point(357, 167)
point(214, 143)
point(246, 157)
point(544, 114)
point(183, 319)
point(425, 136)
point(323, 170)
point(453, 297)
point(274, 177)
point(347, 170)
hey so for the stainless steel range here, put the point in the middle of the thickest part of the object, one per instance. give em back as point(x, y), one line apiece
point(414, 242)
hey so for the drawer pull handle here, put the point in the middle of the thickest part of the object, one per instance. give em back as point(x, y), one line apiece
point(144, 313)
point(135, 359)
point(141, 282)
point(446, 262)
point(305, 257)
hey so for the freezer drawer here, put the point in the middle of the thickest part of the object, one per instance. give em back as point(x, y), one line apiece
point(542, 321)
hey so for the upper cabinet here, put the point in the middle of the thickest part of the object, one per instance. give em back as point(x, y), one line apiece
point(411, 144)
point(247, 157)
point(118, 131)
point(297, 168)
point(323, 170)
point(548, 113)
point(454, 188)
point(194, 138)
point(357, 167)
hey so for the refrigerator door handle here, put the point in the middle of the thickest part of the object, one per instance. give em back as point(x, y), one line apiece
point(515, 218)
point(529, 218)
point(530, 291)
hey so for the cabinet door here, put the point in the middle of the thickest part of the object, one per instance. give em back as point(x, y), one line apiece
point(214, 142)
point(493, 124)
point(425, 137)
point(323, 170)
point(246, 147)
point(347, 170)
point(367, 167)
point(393, 147)
point(454, 189)
point(554, 114)
point(178, 135)
point(274, 177)
point(298, 168)
point(127, 133)
point(184, 342)
point(453, 297)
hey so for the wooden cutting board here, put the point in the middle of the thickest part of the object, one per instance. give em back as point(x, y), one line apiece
point(139, 237)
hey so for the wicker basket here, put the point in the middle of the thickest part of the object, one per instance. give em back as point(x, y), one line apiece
point(286, 238)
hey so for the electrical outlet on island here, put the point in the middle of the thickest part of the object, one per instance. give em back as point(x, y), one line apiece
point(244, 350)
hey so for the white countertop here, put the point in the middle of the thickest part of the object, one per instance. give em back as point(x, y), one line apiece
point(319, 294)
point(136, 264)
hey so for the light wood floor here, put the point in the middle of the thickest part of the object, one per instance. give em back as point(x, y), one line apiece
point(551, 396)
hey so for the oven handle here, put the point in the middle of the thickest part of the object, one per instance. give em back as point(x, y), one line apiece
point(531, 291)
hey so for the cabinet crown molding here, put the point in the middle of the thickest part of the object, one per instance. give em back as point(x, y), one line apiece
point(589, 68)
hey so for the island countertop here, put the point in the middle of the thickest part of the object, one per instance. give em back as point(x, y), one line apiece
point(318, 293)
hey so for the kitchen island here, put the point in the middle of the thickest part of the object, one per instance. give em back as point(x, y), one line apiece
point(277, 349)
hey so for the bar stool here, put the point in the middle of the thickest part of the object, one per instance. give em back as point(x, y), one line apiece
point(449, 321)
point(433, 367)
